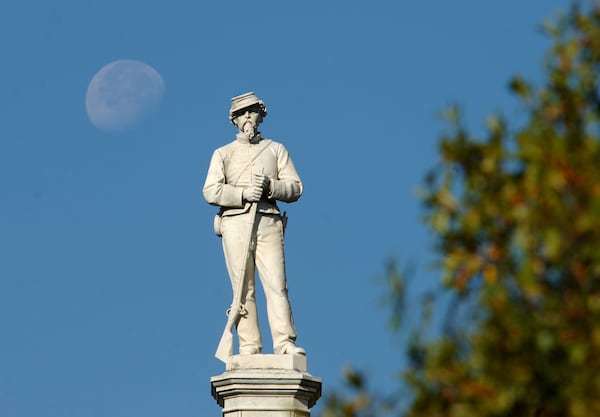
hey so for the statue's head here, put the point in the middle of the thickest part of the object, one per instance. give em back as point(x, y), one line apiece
point(247, 112)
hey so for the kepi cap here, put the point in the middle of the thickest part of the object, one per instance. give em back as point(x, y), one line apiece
point(245, 100)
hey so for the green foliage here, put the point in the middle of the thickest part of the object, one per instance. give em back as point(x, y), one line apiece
point(364, 403)
point(516, 220)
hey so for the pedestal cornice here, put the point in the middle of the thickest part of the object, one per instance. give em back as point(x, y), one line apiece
point(274, 385)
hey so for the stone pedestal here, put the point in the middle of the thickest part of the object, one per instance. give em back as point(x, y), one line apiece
point(266, 386)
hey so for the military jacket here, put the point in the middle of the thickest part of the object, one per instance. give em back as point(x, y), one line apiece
point(232, 163)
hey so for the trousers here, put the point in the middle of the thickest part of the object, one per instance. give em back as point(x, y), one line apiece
point(266, 255)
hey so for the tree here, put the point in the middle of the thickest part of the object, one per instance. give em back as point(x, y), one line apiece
point(516, 220)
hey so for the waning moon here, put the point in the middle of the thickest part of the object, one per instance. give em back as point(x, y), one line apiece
point(122, 94)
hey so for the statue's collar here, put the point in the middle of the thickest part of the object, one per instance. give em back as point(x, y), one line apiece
point(240, 137)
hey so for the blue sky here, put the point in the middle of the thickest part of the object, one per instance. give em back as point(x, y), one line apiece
point(112, 284)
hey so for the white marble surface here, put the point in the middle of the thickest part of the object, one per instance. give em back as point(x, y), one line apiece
point(267, 362)
point(266, 386)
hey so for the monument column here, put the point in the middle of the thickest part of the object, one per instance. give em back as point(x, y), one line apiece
point(266, 386)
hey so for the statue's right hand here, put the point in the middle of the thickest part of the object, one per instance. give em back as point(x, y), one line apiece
point(252, 193)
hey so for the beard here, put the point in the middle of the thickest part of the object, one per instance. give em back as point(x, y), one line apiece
point(249, 129)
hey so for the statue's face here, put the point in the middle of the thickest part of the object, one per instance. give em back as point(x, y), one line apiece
point(248, 119)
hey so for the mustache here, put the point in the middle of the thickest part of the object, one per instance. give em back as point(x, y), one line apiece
point(249, 124)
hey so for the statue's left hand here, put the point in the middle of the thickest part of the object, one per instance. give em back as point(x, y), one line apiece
point(262, 181)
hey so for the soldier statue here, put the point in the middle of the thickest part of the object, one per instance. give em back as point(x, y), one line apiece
point(245, 179)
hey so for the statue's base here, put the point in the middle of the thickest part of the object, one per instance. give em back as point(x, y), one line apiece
point(266, 386)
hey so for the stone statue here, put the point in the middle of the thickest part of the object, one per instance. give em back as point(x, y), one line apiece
point(245, 178)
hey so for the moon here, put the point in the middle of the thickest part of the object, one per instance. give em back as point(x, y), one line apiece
point(122, 94)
